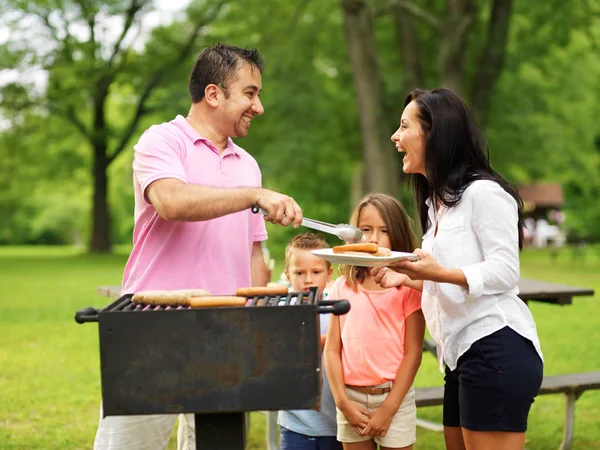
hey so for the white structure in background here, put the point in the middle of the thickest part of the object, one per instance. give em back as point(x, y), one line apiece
point(542, 202)
point(545, 234)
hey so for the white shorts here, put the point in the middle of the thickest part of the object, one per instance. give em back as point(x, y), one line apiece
point(403, 429)
point(144, 432)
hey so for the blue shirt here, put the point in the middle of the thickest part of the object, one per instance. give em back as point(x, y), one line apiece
point(308, 421)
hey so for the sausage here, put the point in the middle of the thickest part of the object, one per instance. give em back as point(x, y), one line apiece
point(168, 298)
point(223, 300)
point(365, 247)
point(261, 291)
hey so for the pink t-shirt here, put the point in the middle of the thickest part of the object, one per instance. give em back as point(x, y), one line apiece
point(373, 331)
point(213, 254)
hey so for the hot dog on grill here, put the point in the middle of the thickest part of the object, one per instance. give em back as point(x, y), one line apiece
point(261, 291)
point(168, 298)
point(224, 300)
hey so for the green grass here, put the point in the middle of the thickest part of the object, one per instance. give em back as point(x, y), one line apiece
point(49, 365)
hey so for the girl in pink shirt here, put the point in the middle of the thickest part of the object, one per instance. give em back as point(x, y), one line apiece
point(372, 354)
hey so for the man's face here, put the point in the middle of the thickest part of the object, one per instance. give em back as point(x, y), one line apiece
point(306, 270)
point(242, 103)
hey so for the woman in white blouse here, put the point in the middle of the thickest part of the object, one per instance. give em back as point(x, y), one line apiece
point(469, 264)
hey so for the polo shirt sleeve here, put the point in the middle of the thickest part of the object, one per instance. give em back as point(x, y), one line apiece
point(412, 301)
point(157, 155)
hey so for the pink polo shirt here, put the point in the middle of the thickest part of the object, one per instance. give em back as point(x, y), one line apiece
point(373, 331)
point(213, 254)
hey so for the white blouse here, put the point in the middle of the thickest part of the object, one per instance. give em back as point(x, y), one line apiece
point(479, 236)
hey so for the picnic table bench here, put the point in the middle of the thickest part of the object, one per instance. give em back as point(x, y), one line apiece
point(571, 385)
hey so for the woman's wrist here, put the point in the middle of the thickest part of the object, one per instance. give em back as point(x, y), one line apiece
point(452, 276)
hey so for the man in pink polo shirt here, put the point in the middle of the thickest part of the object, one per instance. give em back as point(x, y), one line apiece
point(194, 188)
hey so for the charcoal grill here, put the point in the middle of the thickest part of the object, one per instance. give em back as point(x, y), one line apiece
point(216, 363)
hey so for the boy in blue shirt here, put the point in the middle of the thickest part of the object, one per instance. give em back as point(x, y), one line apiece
point(308, 429)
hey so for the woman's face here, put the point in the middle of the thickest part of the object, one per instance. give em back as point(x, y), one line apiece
point(410, 140)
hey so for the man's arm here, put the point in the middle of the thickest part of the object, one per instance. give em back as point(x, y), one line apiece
point(175, 200)
point(258, 269)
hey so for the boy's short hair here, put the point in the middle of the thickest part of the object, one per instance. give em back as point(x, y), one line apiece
point(305, 241)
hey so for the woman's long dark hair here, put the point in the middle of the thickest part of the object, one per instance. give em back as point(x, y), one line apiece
point(454, 155)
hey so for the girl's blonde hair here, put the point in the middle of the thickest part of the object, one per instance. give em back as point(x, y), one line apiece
point(399, 227)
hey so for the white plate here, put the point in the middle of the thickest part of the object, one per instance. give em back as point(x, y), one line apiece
point(363, 261)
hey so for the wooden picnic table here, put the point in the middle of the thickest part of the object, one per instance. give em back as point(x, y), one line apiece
point(543, 291)
point(539, 291)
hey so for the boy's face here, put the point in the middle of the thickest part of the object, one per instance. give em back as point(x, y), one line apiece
point(306, 270)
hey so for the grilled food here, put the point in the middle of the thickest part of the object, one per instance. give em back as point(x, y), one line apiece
point(362, 249)
point(168, 298)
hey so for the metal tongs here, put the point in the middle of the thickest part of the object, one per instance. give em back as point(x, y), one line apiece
point(344, 231)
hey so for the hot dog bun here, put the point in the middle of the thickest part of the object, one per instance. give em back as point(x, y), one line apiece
point(383, 252)
point(365, 247)
point(168, 298)
point(261, 291)
point(224, 300)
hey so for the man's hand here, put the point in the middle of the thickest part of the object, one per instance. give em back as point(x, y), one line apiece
point(281, 208)
point(388, 278)
point(357, 416)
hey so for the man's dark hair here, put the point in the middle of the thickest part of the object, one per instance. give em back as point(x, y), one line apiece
point(218, 65)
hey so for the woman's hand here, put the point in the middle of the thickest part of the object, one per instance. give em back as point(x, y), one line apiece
point(380, 422)
point(426, 268)
point(357, 416)
point(387, 278)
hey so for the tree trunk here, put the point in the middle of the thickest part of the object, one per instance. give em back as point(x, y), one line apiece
point(408, 42)
point(491, 61)
point(380, 159)
point(453, 46)
point(100, 241)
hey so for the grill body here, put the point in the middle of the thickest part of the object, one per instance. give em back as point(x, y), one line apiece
point(216, 363)
point(209, 360)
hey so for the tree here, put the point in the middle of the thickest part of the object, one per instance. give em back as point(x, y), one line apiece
point(67, 41)
point(381, 165)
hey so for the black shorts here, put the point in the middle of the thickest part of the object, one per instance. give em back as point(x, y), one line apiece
point(494, 384)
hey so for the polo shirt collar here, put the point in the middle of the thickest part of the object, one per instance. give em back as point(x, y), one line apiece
point(194, 136)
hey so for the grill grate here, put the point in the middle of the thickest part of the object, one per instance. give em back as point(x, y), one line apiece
point(124, 303)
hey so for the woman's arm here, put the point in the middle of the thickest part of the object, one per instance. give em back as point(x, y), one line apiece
point(405, 377)
point(387, 278)
point(357, 416)
point(427, 268)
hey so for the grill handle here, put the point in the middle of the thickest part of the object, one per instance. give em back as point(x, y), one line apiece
point(86, 315)
point(335, 307)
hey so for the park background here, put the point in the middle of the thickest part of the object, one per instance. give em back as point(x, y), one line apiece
point(81, 80)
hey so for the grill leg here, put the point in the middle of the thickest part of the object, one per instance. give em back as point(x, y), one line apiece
point(225, 431)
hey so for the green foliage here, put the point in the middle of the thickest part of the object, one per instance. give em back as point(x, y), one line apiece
point(541, 125)
point(544, 125)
